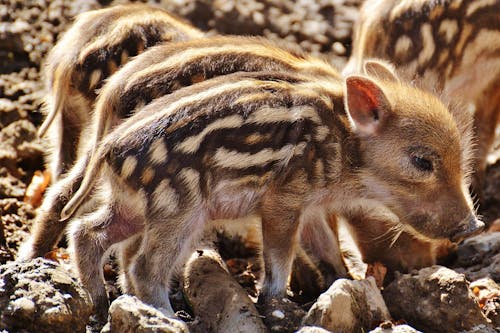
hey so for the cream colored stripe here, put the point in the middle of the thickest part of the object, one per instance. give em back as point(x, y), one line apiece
point(165, 197)
point(222, 89)
point(478, 4)
point(158, 151)
point(191, 179)
point(268, 114)
point(128, 166)
point(94, 79)
point(233, 159)
point(448, 28)
point(402, 47)
point(428, 44)
point(192, 143)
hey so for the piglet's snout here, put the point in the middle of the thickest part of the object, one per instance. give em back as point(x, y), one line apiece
point(467, 228)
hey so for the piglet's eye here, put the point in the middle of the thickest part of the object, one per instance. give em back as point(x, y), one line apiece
point(421, 163)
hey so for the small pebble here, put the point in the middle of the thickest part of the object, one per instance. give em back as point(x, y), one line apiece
point(278, 314)
point(338, 48)
point(24, 305)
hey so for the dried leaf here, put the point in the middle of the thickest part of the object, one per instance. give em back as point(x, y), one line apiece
point(58, 255)
point(378, 271)
point(36, 188)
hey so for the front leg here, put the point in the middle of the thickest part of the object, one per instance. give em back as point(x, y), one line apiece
point(280, 224)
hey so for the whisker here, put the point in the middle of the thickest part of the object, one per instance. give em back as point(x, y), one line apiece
point(387, 233)
point(397, 236)
point(394, 231)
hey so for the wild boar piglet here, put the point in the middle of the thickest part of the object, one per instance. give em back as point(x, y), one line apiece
point(156, 72)
point(276, 145)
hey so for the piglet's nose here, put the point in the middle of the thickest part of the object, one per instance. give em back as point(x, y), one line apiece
point(468, 228)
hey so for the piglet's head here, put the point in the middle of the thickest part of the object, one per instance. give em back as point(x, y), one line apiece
point(413, 157)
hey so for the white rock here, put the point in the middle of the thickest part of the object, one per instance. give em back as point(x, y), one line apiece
point(128, 314)
point(278, 314)
point(348, 306)
point(396, 329)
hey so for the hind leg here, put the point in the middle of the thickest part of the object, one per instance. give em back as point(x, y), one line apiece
point(47, 229)
point(165, 246)
point(319, 234)
point(127, 253)
point(54, 160)
point(65, 133)
point(90, 237)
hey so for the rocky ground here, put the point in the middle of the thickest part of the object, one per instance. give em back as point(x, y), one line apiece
point(41, 296)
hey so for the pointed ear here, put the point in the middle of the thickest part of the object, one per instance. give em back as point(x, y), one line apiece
point(380, 70)
point(367, 104)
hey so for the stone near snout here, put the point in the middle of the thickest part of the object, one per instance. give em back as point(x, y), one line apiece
point(479, 257)
point(434, 299)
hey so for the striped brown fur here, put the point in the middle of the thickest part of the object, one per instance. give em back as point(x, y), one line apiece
point(168, 67)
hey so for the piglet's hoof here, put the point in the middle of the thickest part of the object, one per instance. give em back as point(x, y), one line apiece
point(101, 309)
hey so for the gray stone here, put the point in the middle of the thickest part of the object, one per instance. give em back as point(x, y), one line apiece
point(40, 296)
point(434, 299)
point(482, 329)
point(348, 306)
point(479, 257)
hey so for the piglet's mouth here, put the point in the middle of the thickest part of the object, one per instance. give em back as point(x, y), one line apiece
point(472, 226)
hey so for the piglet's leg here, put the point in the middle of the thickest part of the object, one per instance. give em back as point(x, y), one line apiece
point(47, 229)
point(319, 234)
point(166, 243)
point(280, 216)
point(90, 237)
point(127, 253)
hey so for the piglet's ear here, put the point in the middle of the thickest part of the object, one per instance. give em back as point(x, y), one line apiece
point(381, 70)
point(367, 104)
